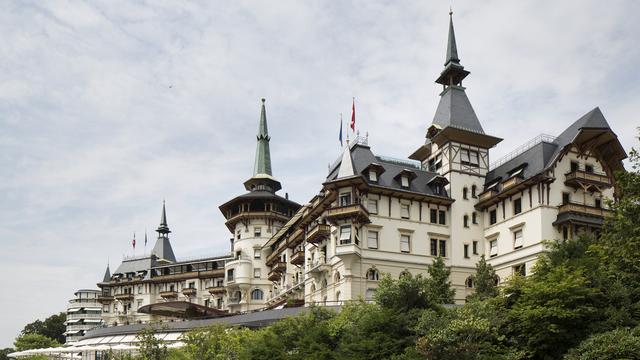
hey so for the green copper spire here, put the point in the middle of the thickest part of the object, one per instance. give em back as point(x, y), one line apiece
point(452, 49)
point(263, 155)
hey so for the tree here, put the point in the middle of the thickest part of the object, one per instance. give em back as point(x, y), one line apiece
point(616, 344)
point(408, 292)
point(217, 342)
point(438, 283)
point(484, 281)
point(52, 327)
point(34, 341)
point(150, 347)
point(4, 352)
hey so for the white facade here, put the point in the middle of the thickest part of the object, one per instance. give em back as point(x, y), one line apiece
point(83, 314)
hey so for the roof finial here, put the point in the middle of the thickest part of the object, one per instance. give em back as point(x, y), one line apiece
point(262, 163)
point(164, 227)
point(450, 11)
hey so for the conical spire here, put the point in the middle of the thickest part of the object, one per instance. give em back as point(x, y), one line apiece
point(164, 227)
point(346, 164)
point(452, 49)
point(107, 275)
point(263, 155)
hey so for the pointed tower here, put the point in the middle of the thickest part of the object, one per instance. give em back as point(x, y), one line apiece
point(346, 164)
point(162, 249)
point(107, 275)
point(253, 218)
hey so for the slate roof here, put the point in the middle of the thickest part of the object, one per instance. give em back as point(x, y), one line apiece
point(362, 157)
point(544, 154)
point(135, 265)
point(163, 250)
point(455, 110)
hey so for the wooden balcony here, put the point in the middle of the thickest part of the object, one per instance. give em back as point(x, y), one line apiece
point(510, 182)
point(356, 211)
point(298, 258)
point(580, 179)
point(274, 276)
point(216, 290)
point(487, 195)
point(318, 233)
point(583, 209)
point(169, 294)
point(124, 297)
point(105, 299)
point(189, 292)
point(279, 267)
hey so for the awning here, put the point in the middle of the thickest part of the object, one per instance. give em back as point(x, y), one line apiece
point(92, 321)
point(93, 309)
point(73, 310)
point(181, 309)
point(72, 321)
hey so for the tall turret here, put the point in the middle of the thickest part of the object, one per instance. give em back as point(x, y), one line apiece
point(262, 178)
point(162, 249)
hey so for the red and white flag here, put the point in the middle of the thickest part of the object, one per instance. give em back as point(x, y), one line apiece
point(353, 116)
point(134, 241)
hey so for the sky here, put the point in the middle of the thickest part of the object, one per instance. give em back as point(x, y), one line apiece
point(107, 108)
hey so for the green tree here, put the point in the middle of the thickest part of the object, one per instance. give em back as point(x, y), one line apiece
point(150, 347)
point(408, 292)
point(438, 284)
point(217, 342)
point(616, 344)
point(484, 281)
point(52, 327)
point(34, 341)
point(4, 352)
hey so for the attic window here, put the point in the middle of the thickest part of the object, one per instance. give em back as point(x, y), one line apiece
point(493, 186)
point(517, 172)
point(373, 175)
point(404, 181)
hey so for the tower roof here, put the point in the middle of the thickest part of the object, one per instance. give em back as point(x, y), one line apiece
point(452, 48)
point(107, 275)
point(162, 249)
point(346, 164)
point(262, 174)
point(453, 72)
point(163, 228)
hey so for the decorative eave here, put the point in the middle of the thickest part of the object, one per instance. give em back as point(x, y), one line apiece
point(422, 153)
point(450, 133)
point(490, 197)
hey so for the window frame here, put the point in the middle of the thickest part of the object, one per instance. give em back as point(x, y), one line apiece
point(377, 239)
point(518, 239)
point(517, 206)
point(442, 217)
point(342, 239)
point(408, 243)
point(404, 207)
point(372, 203)
point(493, 245)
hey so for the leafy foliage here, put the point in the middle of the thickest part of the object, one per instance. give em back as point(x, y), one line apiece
point(616, 344)
point(150, 347)
point(484, 281)
point(52, 327)
point(34, 341)
point(439, 288)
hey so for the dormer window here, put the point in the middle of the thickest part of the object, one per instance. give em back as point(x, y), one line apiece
point(516, 172)
point(373, 175)
point(345, 199)
point(404, 181)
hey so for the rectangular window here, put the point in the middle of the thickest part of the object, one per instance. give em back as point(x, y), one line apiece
point(566, 198)
point(139, 289)
point(372, 239)
point(565, 233)
point(493, 248)
point(230, 275)
point(598, 203)
point(257, 232)
point(405, 243)
point(256, 273)
point(520, 270)
point(518, 239)
point(192, 285)
point(434, 247)
point(574, 166)
point(434, 216)
point(517, 206)
point(475, 247)
point(466, 251)
point(345, 199)
point(404, 181)
point(442, 218)
point(469, 157)
point(435, 163)
point(257, 253)
point(373, 176)
point(466, 221)
point(493, 217)
point(345, 234)
point(588, 168)
point(372, 206)
point(474, 217)
point(443, 248)
point(404, 211)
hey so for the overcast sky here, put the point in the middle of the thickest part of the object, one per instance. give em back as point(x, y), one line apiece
point(109, 107)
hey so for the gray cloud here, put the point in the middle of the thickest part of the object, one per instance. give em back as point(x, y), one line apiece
point(108, 107)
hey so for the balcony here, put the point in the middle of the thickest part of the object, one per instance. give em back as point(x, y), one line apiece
point(124, 297)
point(279, 267)
point(511, 182)
point(318, 233)
point(487, 195)
point(581, 214)
point(318, 266)
point(298, 258)
point(216, 290)
point(169, 294)
point(274, 276)
point(580, 179)
point(189, 292)
point(356, 211)
point(105, 299)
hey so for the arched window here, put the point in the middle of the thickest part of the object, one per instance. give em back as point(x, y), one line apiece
point(465, 193)
point(337, 276)
point(473, 191)
point(237, 295)
point(469, 282)
point(257, 294)
point(370, 294)
point(373, 274)
point(404, 273)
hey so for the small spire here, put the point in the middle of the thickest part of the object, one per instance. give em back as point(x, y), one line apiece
point(346, 165)
point(107, 274)
point(263, 154)
point(164, 227)
point(452, 49)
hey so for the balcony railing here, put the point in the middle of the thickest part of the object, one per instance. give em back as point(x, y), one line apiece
point(349, 211)
point(105, 299)
point(216, 290)
point(169, 294)
point(584, 209)
point(487, 195)
point(298, 258)
point(189, 291)
point(577, 177)
point(124, 297)
point(318, 233)
point(318, 266)
point(274, 276)
point(280, 266)
point(513, 181)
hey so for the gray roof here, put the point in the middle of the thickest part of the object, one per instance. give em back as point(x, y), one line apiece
point(163, 250)
point(544, 154)
point(362, 158)
point(455, 110)
point(135, 265)
point(107, 275)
